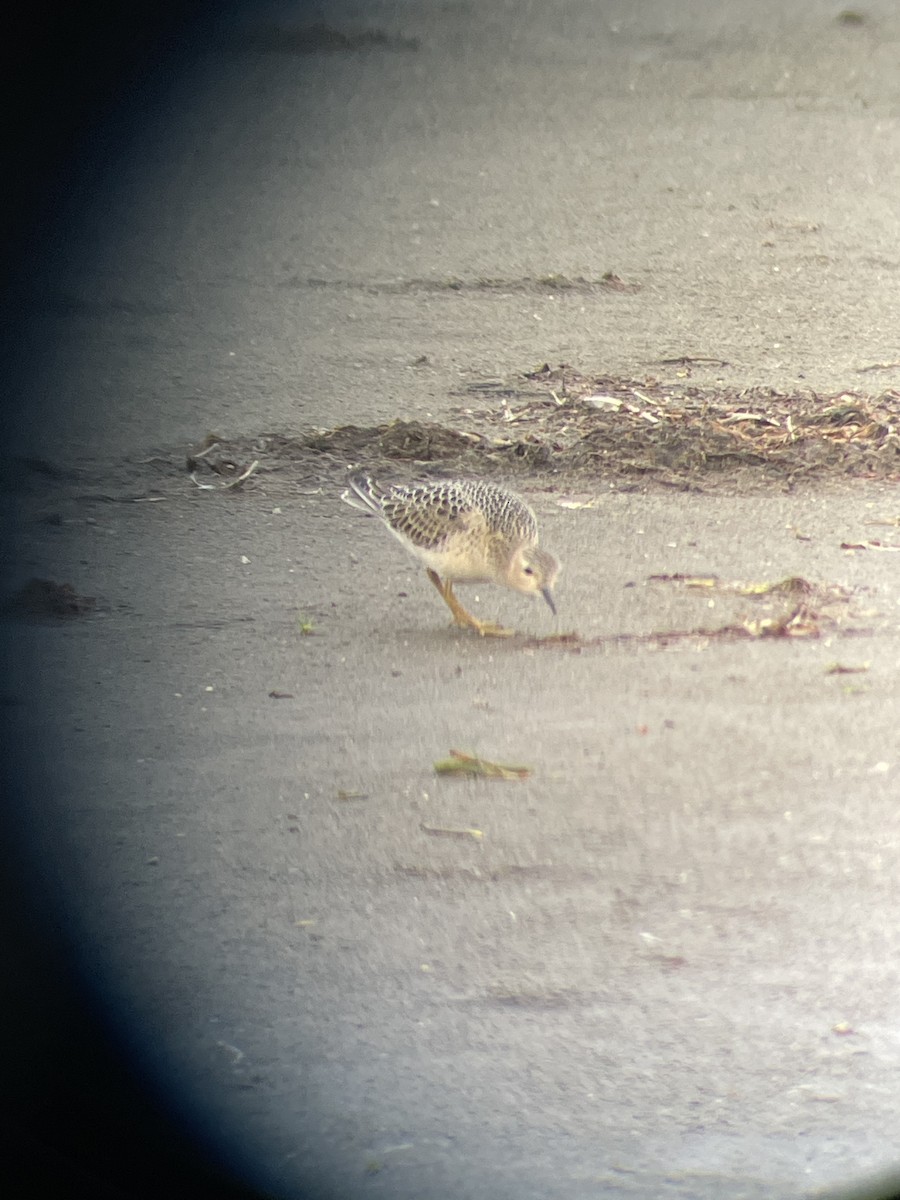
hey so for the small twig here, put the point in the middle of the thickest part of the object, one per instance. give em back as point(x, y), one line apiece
point(203, 453)
point(646, 399)
point(233, 483)
point(440, 831)
point(686, 360)
point(884, 366)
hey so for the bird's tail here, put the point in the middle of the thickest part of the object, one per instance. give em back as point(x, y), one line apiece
point(363, 493)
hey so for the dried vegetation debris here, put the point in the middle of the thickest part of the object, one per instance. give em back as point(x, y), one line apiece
point(793, 607)
point(460, 764)
point(396, 441)
point(681, 434)
point(45, 599)
point(787, 608)
point(322, 455)
point(214, 457)
point(504, 285)
point(558, 421)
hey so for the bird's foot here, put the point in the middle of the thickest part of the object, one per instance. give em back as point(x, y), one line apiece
point(484, 628)
point(462, 616)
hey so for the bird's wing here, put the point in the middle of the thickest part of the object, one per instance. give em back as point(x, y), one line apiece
point(361, 494)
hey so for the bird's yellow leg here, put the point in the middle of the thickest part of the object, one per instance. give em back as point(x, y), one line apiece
point(461, 615)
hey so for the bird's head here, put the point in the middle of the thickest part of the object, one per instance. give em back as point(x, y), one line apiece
point(534, 571)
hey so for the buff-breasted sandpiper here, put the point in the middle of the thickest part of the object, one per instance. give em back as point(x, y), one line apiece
point(464, 531)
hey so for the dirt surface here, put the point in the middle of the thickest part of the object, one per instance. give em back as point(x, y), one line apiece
point(640, 263)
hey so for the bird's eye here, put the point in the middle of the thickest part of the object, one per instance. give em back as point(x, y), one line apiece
point(529, 570)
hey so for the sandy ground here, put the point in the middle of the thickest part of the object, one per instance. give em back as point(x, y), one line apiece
point(667, 965)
